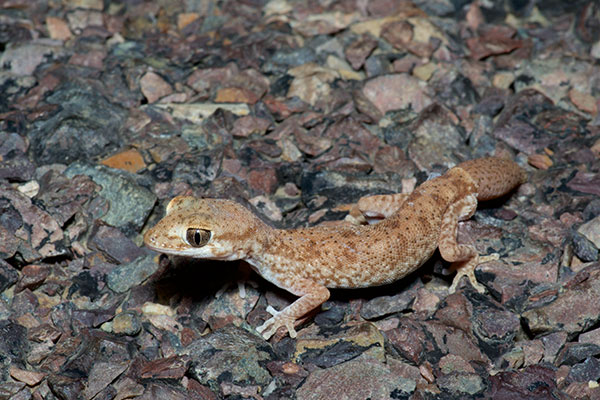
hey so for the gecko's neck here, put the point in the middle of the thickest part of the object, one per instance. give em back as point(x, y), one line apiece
point(255, 239)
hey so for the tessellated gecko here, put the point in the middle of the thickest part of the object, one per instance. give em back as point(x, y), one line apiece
point(308, 261)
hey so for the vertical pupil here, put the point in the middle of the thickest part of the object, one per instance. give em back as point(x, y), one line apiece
point(197, 237)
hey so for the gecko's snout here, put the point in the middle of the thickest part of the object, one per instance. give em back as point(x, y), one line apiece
point(150, 239)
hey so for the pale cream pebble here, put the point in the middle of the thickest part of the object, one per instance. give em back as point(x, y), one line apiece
point(308, 261)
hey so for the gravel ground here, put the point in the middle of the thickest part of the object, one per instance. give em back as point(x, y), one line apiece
point(296, 109)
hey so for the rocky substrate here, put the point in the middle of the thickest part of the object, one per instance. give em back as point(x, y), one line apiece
point(297, 109)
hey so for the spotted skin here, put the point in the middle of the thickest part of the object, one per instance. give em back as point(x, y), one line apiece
point(308, 261)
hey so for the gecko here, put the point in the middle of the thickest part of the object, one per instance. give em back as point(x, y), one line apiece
point(307, 262)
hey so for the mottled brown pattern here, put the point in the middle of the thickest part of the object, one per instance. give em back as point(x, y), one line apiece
point(307, 261)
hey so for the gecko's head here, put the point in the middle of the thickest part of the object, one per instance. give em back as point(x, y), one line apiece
point(204, 228)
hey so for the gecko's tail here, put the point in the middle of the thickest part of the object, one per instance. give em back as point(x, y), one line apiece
point(494, 176)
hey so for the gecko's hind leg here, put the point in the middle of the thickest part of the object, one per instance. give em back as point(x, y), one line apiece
point(464, 258)
point(375, 207)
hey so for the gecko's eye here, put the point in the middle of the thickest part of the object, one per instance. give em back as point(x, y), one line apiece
point(197, 237)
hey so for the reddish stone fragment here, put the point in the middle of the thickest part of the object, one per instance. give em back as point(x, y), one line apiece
point(58, 28)
point(311, 144)
point(154, 87)
point(32, 277)
point(203, 80)
point(394, 92)
point(247, 125)
point(493, 40)
point(31, 378)
point(397, 33)
point(201, 391)
point(586, 182)
point(385, 8)
point(573, 310)
point(48, 83)
point(535, 382)
point(359, 50)
point(583, 101)
point(166, 368)
point(91, 59)
point(263, 180)
point(43, 333)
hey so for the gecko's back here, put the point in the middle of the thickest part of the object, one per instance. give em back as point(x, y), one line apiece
point(362, 256)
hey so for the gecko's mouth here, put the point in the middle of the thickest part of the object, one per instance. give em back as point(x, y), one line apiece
point(149, 245)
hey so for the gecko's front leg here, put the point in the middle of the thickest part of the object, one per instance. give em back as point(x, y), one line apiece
point(465, 258)
point(311, 295)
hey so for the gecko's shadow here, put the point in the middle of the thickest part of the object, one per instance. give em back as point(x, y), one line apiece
point(196, 279)
point(201, 280)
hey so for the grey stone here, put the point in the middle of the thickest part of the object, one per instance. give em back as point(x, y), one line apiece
point(434, 135)
point(584, 248)
point(573, 353)
point(126, 276)
point(62, 197)
point(385, 305)
point(591, 210)
point(461, 384)
point(459, 92)
point(495, 326)
point(8, 275)
point(130, 203)
point(14, 163)
point(113, 243)
point(292, 58)
point(9, 389)
point(363, 378)
point(438, 7)
point(233, 351)
point(14, 342)
point(101, 375)
point(591, 231)
point(86, 126)
point(44, 233)
point(65, 387)
point(586, 371)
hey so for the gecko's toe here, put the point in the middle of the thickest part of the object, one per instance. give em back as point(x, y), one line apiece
point(488, 258)
point(467, 268)
point(272, 311)
point(278, 320)
point(266, 329)
point(476, 285)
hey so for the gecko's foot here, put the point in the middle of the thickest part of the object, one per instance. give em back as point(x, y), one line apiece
point(468, 269)
point(278, 320)
point(488, 258)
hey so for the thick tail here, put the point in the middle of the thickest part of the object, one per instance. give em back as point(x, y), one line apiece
point(494, 176)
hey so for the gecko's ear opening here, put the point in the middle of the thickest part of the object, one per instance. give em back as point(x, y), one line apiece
point(197, 237)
